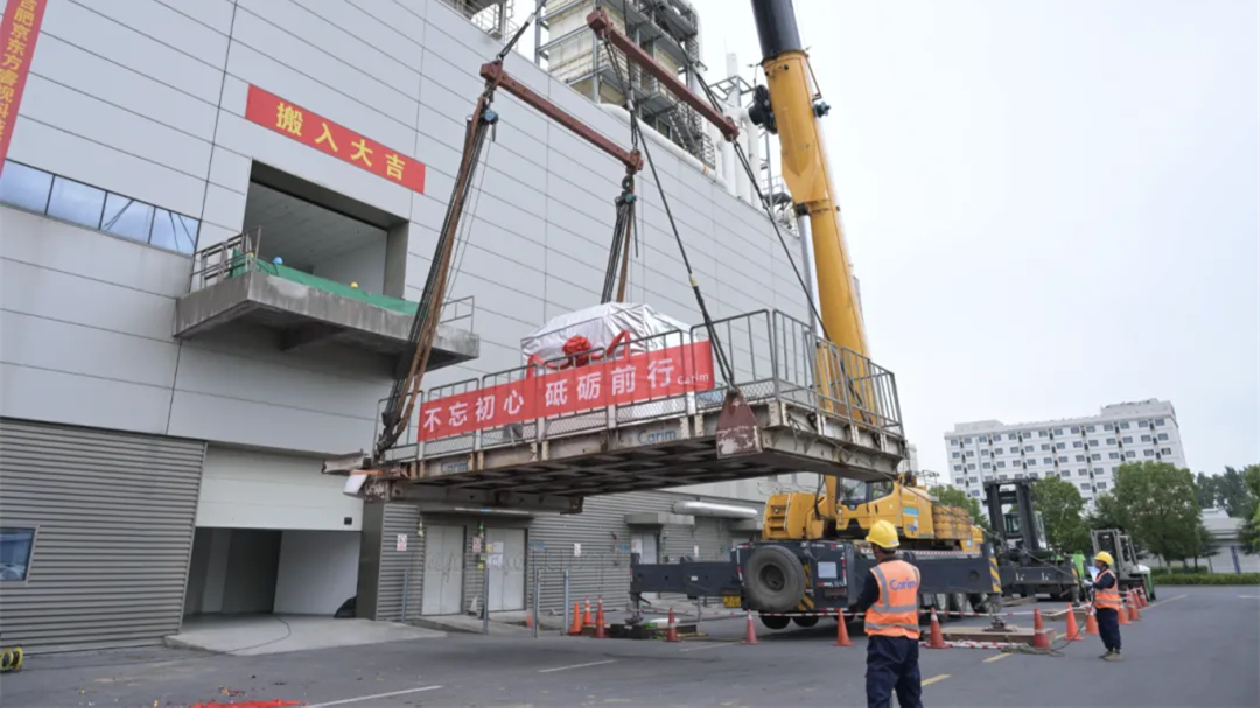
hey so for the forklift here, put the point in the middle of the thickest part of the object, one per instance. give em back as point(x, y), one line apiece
point(1129, 573)
point(1027, 566)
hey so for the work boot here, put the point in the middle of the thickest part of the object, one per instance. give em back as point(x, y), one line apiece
point(1107, 655)
point(1113, 656)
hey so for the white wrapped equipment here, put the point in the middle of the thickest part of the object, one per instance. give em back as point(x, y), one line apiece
point(601, 325)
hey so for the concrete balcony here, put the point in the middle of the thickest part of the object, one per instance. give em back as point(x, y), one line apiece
point(231, 290)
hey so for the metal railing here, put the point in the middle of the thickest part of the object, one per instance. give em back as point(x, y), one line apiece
point(772, 356)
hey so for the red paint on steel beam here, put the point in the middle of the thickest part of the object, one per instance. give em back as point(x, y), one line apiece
point(494, 72)
point(598, 21)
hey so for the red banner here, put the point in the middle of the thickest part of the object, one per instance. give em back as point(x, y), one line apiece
point(294, 121)
point(619, 381)
point(18, 31)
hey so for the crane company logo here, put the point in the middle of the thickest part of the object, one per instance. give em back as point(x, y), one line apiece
point(312, 130)
point(19, 29)
point(619, 381)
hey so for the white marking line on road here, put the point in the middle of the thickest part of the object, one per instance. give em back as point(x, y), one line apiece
point(1165, 602)
point(934, 679)
point(1250, 597)
point(374, 695)
point(575, 666)
point(997, 657)
point(703, 647)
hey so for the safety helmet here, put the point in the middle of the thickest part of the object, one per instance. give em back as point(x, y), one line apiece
point(1105, 557)
point(883, 534)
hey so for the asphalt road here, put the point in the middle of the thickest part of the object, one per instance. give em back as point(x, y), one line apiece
point(1196, 647)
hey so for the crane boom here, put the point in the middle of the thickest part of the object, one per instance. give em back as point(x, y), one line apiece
point(790, 107)
point(793, 114)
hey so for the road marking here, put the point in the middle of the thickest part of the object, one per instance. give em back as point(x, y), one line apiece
point(997, 657)
point(924, 682)
point(703, 647)
point(1250, 597)
point(1164, 602)
point(374, 695)
point(573, 666)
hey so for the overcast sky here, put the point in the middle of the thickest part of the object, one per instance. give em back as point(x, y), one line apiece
point(1051, 206)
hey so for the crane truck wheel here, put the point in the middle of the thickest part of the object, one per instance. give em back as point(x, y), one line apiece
point(775, 622)
point(805, 622)
point(773, 579)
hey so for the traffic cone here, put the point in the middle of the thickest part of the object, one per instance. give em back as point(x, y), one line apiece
point(1135, 615)
point(1073, 631)
point(1040, 639)
point(599, 618)
point(586, 616)
point(529, 620)
point(842, 633)
point(1142, 598)
point(936, 640)
point(671, 630)
point(1091, 623)
point(750, 633)
point(575, 627)
point(1124, 612)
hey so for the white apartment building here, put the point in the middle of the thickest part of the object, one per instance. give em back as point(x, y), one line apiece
point(1085, 451)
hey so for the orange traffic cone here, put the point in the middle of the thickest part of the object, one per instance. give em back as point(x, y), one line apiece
point(842, 632)
point(750, 633)
point(936, 640)
point(1041, 640)
point(575, 627)
point(1091, 623)
point(586, 616)
point(599, 618)
point(529, 620)
point(1135, 615)
point(671, 630)
point(1142, 598)
point(1073, 631)
point(1124, 612)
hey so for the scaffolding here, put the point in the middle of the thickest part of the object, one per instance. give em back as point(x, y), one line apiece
point(667, 30)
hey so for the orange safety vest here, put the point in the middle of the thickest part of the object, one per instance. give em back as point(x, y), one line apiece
point(1108, 599)
point(896, 614)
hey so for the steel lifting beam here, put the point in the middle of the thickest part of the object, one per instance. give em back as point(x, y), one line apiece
point(604, 28)
point(494, 72)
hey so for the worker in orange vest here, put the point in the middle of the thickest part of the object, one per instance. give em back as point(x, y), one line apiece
point(890, 599)
point(1107, 606)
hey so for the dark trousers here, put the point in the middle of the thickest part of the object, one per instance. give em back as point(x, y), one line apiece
point(1109, 628)
point(892, 663)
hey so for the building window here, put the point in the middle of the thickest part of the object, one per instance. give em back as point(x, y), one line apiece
point(1030, 448)
point(1063, 458)
point(1048, 460)
point(956, 456)
point(1096, 456)
point(975, 492)
point(1108, 428)
point(1111, 441)
point(15, 552)
point(1131, 453)
point(1045, 446)
point(1093, 443)
point(1084, 485)
point(1101, 485)
point(971, 465)
point(1141, 424)
point(957, 468)
point(974, 479)
point(1080, 458)
point(1124, 425)
point(1000, 465)
point(1090, 429)
point(1076, 430)
point(1146, 438)
point(1148, 453)
point(984, 465)
point(1032, 463)
point(1113, 456)
point(1034, 475)
point(1127, 439)
point(1042, 434)
point(1082, 473)
point(1058, 431)
point(1163, 436)
point(1077, 444)
point(966, 441)
point(1165, 451)
point(41, 192)
point(1159, 423)
point(953, 442)
point(1012, 436)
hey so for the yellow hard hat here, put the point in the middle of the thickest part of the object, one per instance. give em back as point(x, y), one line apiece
point(883, 534)
point(1105, 557)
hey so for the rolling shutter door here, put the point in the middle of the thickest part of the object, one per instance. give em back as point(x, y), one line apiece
point(113, 514)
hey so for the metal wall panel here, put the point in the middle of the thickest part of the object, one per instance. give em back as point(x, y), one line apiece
point(114, 517)
point(399, 568)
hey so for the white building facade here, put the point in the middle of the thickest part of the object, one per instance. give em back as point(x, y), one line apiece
point(151, 469)
point(1084, 451)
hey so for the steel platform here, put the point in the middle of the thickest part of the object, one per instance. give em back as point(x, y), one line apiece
point(551, 464)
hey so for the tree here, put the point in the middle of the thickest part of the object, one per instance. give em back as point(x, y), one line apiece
point(957, 497)
point(1205, 545)
point(1061, 507)
point(1232, 493)
point(1207, 490)
point(1249, 534)
point(1159, 504)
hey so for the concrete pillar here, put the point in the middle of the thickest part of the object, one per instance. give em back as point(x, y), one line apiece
point(396, 261)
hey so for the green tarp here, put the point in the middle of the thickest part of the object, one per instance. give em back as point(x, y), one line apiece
point(242, 264)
